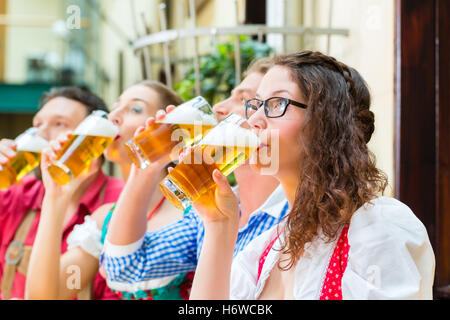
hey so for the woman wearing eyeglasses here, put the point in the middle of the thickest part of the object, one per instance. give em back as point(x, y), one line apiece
point(341, 238)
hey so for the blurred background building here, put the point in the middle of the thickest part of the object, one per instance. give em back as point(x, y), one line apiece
point(107, 45)
point(39, 50)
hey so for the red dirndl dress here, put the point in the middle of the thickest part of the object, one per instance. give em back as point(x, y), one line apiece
point(331, 287)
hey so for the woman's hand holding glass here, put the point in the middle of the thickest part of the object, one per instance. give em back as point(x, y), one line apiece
point(226, 207)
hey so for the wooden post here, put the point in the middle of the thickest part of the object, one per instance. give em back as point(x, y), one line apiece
point(140, 53)
point(330, 22)
point(237, 47)
point(285, 24)
point(146, 50)
point(193, 15)
point(423, 121)
point(162, 11)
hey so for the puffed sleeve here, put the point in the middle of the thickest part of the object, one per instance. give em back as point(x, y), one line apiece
point(390, 255)
point(86, 236)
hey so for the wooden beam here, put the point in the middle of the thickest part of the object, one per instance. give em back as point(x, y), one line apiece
point(443, 149)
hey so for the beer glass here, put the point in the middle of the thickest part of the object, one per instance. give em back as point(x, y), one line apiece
point(88, 142)
point(28, 157)
point(225, 147)
point(189, 121)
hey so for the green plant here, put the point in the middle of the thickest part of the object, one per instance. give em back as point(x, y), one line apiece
point(217, 69)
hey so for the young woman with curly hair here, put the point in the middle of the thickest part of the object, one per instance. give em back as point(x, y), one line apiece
point(341, 238)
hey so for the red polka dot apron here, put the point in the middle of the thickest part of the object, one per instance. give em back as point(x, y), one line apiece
point(331, 287)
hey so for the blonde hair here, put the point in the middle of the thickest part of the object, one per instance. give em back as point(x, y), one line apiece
point(166, 95)
point(261, 65)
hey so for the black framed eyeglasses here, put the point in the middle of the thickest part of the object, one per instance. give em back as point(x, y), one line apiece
point(274, 107)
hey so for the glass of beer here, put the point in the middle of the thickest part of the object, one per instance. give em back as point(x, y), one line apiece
point(88, 142)
point(189, 121)
point(225, 147)
point(28, 157)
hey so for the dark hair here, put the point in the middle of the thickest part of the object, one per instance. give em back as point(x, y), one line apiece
point(364, 117)
point(78, 93)
point(81, 94)
point(338, 171)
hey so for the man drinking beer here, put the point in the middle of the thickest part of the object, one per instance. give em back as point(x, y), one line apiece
point(61, 110)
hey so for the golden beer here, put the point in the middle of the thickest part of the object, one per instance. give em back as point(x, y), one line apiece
point(187, 124)
point(28, 157)
point(225, 148)
point(89, 141)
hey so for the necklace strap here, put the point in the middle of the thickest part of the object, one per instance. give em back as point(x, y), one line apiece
point(156, 208)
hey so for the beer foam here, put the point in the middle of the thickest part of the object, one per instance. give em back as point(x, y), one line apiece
point(97, 126)
point(189, 115)
point(31, 143)
point(231, 135)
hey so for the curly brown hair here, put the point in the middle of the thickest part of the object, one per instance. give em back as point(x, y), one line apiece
point(338, 172)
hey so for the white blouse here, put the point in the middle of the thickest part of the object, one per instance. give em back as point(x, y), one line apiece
point(87, 236)
point(390, 257)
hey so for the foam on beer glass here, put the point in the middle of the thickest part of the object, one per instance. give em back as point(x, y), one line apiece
point(28, 157)
point(185, 125)
point(88, 142)
point(225, 147)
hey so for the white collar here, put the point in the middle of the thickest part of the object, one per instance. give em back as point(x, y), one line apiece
point(273, 205)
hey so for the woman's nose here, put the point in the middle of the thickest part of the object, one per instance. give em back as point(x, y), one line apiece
point(43, 132)
point(221, 109)
point(115, 118)
point(258, 120)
